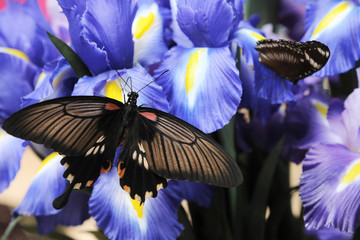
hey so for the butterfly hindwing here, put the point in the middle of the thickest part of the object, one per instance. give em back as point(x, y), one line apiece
point(293, 60)
point(70, 125)
point(136, 177)
point(175, 149)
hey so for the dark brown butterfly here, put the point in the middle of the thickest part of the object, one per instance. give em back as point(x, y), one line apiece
point(156, 145)
point(293, 60)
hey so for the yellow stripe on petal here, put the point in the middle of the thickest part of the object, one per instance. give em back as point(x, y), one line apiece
point(40, 79)
point(48, 159)
point(191, 69)
point(137, 207)
point(113, 90)
point(321, 108)
point(257, 35)
point(351, 174)
point(143, 24)
point(336, 14)
point(15, 52)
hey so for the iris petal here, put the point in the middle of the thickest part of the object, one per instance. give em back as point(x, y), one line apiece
point(17, 77)
point(23, 27)
point(148, 31)
point(57, 79)
point(47, 184)
point(11, 148)
point(206, 24)
point(116, 216)
point(94, 57)
point(108, 25)
point(328, 199)
point(325, 17)
point(351, 118)
point(215, 83)
point(74, 213)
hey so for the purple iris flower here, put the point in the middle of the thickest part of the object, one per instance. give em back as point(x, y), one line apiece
point(306, 121)
point(323, 18)
point(329, 184)
point(203, 79)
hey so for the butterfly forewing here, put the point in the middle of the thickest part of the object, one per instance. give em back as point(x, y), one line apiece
point(293, 60)
point(70, 125)
point(178, 150)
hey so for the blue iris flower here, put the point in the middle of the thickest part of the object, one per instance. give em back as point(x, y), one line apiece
point(203, 79)
point(323, 18)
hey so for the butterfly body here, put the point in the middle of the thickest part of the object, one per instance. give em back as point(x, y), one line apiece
point(156, 146)
point(293, 60)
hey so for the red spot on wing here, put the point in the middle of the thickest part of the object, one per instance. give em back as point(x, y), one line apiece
point(111, 106)
point(149, 115)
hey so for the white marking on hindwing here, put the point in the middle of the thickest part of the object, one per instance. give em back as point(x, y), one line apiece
point(96, 149)
point(70, 177)
point(148, 194)
point(100, 139)
point(89, 151)
point(140, 159)
point(146, 164)
point(102, 149)
point(138, 198)
point(159, 186)
point(66, 165)
point(141, 147)
point(77, 186)
point(134, 156)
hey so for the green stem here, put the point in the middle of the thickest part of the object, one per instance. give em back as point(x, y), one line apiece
point(10, 227)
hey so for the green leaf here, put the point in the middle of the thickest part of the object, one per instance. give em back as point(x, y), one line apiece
point(260, 197)
point(268, 11)
point(73, 59)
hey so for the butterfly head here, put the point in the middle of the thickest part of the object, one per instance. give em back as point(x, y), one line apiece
point(132, 97)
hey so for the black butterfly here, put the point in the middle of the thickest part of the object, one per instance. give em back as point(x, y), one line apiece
point(293, 60)
point(156, 145)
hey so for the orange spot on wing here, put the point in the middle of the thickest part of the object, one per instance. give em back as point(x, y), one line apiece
point(121, 171)
point(111, 106)
point(89, 183)
point(127, 189)
point(105, 170)
point(149, 115)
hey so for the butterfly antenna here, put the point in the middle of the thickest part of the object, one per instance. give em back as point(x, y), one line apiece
point(153, 80)
point(129, 79)
point(122, 80)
